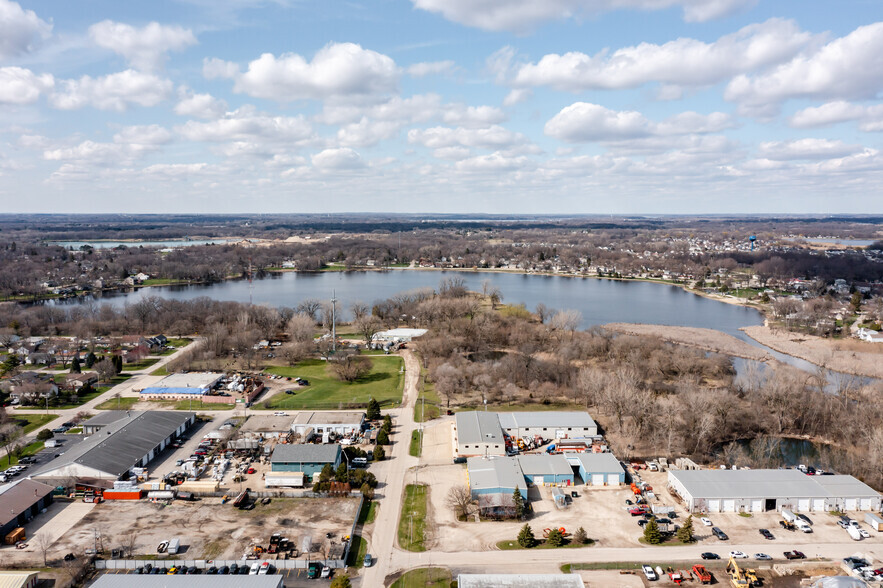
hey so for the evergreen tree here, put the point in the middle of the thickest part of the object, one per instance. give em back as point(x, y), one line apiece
point(75, 365)
point(580, 536)
point(382, 437)
point(685, 533)
point(526, 537)
point(327, 473)
point(118, 363)
point(379, 453)
point(652, 535)
point(373, 411)
point(387, 424)
point(555, 538)
point(90, 360)
point(518, 503)
point(341, 474)
point(367, 491)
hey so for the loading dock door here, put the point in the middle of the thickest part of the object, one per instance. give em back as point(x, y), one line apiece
point(613, 480)
point(865, 504)
point(598, 479)
point(818, 504)
point(538, 480)
point(851, 504)
point(714, 506)
point(757, 506)
point(803, 505)
point(729, 506)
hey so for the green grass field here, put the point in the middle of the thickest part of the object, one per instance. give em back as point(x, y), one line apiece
point(416, 446)
point(412, 524)
point(123, 403)
point(428, 405)
point(140, 365)
point(368, 513)
point(32, 422)
point(357, 552)
point(30, 449)
point(424, 578)
point(384, 383)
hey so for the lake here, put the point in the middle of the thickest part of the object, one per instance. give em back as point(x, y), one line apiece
point(163, 244)
point(844, 242)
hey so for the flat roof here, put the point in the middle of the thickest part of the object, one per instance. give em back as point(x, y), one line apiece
point(17, 497)
point(602, 463)
point(329, 417)
point(548, 419)
point(400, 332)
point(9, 579)
point(519, 581)
point(494, 472)
point(768, 484)
point(197, 581)
point(260, 422)
point(116, 447)
point(478, 427)
point(189, 380)
point(544, 464)
point(305, 453)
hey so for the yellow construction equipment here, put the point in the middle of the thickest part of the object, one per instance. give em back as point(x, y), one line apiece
point(737, 577)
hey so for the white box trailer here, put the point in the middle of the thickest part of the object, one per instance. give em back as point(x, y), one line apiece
point(789, 516)
point(174, 545)
point(874, 521)
point(854, 533)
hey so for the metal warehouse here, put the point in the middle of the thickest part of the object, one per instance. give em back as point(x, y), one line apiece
point(770, 490)
point(478, 433)
point(20, 502)
point(308, 458)
point(519, 581)
point(145, 581)
point(544, 469)
point(130, 441)
point(598, 469)
point(342, 423)
point(184, 385)
point(548, 425)
point(495, 475)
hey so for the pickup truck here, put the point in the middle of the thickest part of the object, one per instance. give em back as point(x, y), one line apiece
point(638, 511)
point(794, 555)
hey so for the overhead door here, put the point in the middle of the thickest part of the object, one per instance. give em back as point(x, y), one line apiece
point(538, 480)
point(803, 505)
point(818, 504)
point(729, 506)
point(714, 506)
point(865, 504)
point(851, 504)
point(757, 506)
point(598, 479)
point(613, 480)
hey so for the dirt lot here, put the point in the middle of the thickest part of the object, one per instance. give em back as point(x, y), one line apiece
point(209, 530)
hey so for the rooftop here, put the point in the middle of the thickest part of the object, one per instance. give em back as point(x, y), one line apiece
point(602, 463)
point(511, 420)
point(305, 453)
point(519, 581)
point(16, 579)
point(544, 464)
point(494, 472)
point(17, 497)
point(402, 333)
point(327, 417)
point(260, 422)
point(198, 581)
point(189, 380)
point(478, 427)
point(768, 483)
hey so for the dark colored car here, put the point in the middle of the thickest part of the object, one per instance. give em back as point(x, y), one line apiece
point(719, 534)
point(243, 570)
point(27, 460)
point(234, 569)
point(766, 534)
point(794, 555)
point(224, 570)
point(212, 570)
point(710, 555)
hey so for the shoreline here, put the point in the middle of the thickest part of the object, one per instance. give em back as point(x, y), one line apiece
point(696, 337)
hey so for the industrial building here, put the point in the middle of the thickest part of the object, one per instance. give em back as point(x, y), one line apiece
point(267, 426)
point(119, 442)
point(770, 490)
point(519, 581)
point(320, 422)
point(182, 386)
point(16, 579)
point(195, 581)
point(495, 475)
point(20, 502)
point(544, 469)
point(598, 469)
point(483, 433)
point(308, 459)
point(478, 433)
point(400, 335)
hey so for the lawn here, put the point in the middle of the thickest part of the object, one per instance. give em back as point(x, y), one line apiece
point(122, 403)
point(424, 578)
point(383, 383)
point(428, 404)
point(412, 524)
point(160, 372)
point(177, 344)
point(368, 512)
point(416, 446)
point(357, 552)
point(30, 449)
point(33, 421)
point(511, 545)
point(140, 365)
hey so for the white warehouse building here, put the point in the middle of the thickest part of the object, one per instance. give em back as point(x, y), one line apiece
point(770, 490)
point(483, 433)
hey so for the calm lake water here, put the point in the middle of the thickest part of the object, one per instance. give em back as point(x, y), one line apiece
point(847, 242)
point(163, 244)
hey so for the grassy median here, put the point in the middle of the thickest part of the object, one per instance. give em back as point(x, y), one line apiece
point(412, 523)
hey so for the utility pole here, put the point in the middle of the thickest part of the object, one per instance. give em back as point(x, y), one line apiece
point(333, 323)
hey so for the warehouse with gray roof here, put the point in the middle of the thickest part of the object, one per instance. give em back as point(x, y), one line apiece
point(307, 458)
point(189, 581)
point(478, 433)
point(770, 490)
point(118, 445)
point(519, 581)
point(483, 433)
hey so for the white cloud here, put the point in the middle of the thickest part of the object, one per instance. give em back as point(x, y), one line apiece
point(338, 70)
point(427, 68)
point(806, 149)
point(870, 117)
point(417, 108)
point(472, 116)
point(143, 135)
point(20, 30)
point(129, 144)
point(342, 158)
point(494, 162)
point(22, 86)
point(143, 48)
point(214, 68)
point(112, 92)
point(174, 170)
point(203, 106)
point(583, 121)
point(495, 137)
point(247, 125)
point(366, 132)
point(517, 96)
point(682, 62)
point(523, 15)
point(850, 67)
point(452, 153)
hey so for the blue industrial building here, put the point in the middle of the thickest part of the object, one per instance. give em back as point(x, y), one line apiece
point(306, 458)
point(546, 470)
point(598, 469)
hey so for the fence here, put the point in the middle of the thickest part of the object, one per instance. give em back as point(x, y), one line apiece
point(279, 564)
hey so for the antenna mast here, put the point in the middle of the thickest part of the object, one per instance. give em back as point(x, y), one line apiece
point(333, 322)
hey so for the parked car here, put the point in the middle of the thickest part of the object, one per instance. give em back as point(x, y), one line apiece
point(864, 534)
point(762, 557)
point(706, 521)
point(738, 555)
point(719, 534)
point(264, 569)
point(326, 572)
point(638, 511)
point(794, 555)
point(629, 502)
point(255, 568)
point(649, 573)
point(224, 570)
point(368, 561)
point(709, 555)
point(28, 460)
point(766, 534)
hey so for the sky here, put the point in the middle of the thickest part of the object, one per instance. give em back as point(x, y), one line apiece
point(448, 106)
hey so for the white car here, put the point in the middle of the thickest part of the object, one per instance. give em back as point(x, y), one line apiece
point(738, 555)
point(864, 533)
point(648, 571)
point(762, 556)
point(706, 521)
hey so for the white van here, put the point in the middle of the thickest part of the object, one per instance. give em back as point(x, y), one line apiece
point(360, 462)
point(174, 545)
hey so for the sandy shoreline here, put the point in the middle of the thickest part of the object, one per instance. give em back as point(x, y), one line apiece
point(848, 356)
point(706, 339)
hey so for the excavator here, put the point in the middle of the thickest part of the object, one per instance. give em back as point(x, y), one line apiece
point(740, 578)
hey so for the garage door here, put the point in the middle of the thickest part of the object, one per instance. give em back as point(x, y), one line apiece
point(714, 506)
point(613, 480)
point(757, 506)
point(802, 505)
point(866, 504)
point(538, 480)
point(851, 504)
point(598, 479)
point(729, 506)
point(818, 505)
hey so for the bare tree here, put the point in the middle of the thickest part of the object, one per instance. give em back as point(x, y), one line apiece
point(301, 327)
point(130, 540)
point(351, 367)
point(309, 307)
point(106, 370)
point(368, 326)
point(359, 310)
point(44, 542)
point(459, 499)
